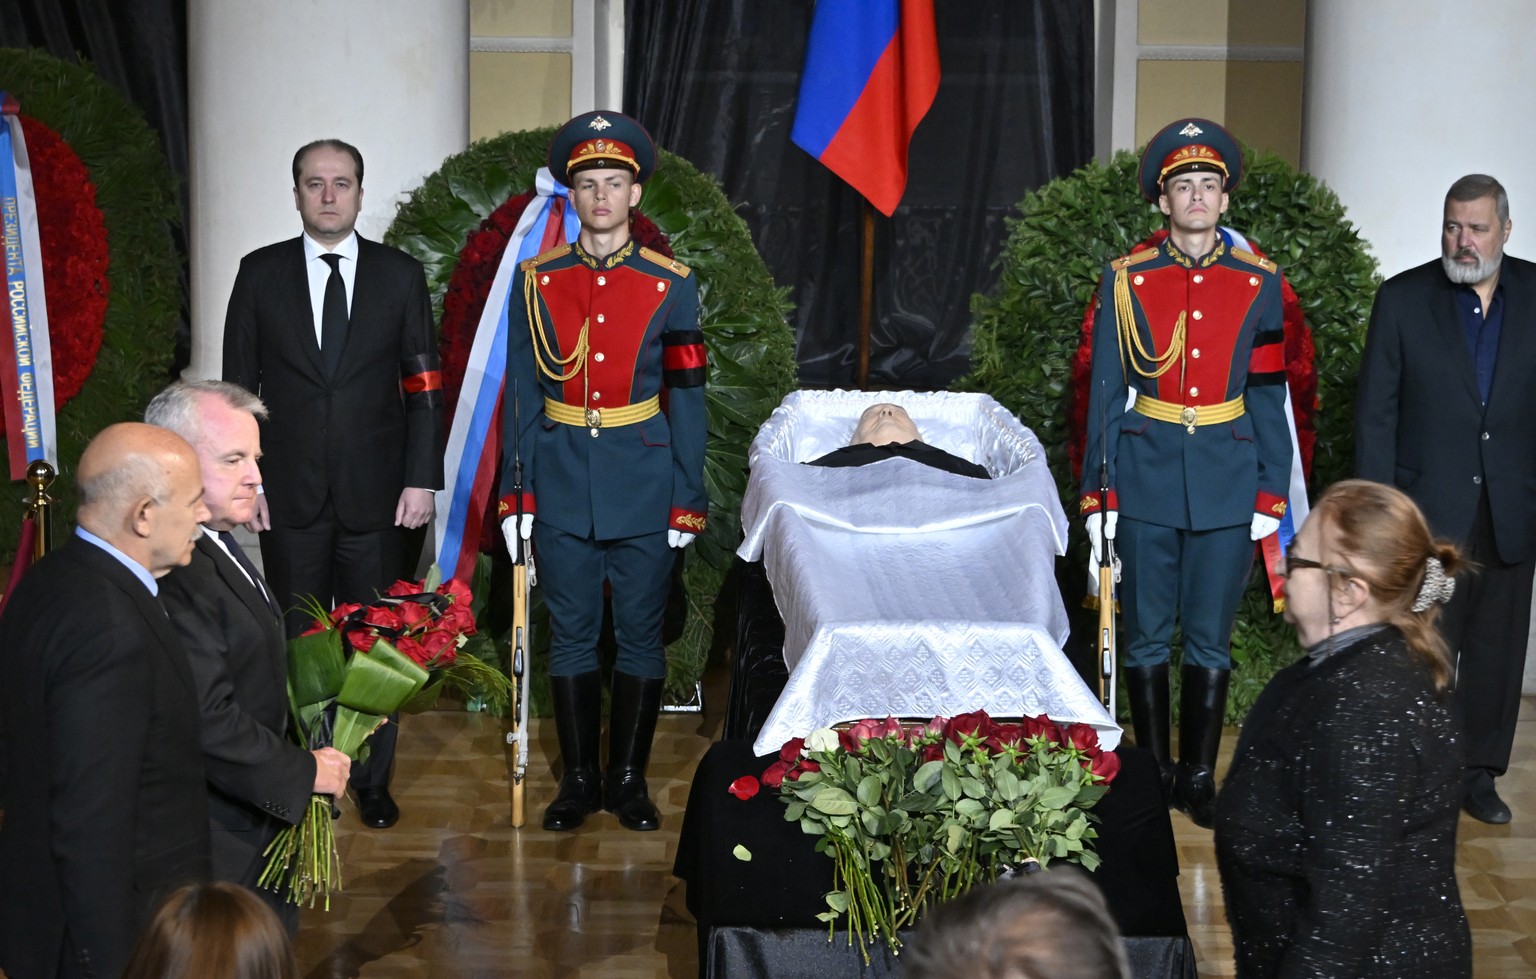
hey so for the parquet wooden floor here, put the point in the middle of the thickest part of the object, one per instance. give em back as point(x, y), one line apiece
point(453, 892)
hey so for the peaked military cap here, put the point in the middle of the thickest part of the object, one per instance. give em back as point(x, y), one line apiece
point(1185, 146)
point(602, 139)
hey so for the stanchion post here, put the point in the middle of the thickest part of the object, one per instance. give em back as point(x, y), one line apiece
point(40, 476)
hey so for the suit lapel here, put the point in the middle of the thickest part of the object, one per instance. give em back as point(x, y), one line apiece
point(366, 300)
point(302, 313)
point(149, 607)
point(1447, 317)
point(235, 580)
point(1515, 337)
point(234, 577)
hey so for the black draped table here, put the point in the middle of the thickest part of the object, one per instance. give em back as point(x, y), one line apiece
point(758, 918)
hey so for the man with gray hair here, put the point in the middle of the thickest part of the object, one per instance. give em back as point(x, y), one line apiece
point(258, 779)
point(1443, 412)
point(1052, 924)
point(105, 810)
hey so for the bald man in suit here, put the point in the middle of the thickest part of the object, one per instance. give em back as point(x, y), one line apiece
point(105, 811)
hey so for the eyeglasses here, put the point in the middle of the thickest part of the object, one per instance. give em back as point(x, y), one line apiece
point(1290, 563)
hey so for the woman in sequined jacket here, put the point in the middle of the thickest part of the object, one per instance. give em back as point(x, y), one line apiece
point(1336, 826)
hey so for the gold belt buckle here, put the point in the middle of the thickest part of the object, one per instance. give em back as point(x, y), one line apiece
point(594, 420)
point(1187, 419)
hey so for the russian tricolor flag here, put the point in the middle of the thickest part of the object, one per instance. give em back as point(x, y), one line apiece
point(871, 72)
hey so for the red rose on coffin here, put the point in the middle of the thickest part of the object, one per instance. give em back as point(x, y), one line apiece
point(1043, 727)
point(975, 727)
point(1105, 764)
point(773, 776)
point(1007, 736)
point(792, 750)
point(1081, 736)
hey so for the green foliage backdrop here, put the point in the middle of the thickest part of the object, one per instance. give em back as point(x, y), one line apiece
point(1027, 330)
point(751, 346)
point(136, 194)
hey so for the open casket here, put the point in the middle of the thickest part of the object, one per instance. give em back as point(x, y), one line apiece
point(906, 590)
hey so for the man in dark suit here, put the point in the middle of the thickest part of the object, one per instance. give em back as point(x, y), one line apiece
point(1199, 462)
point(105, 809)
point(335, 334)
point(1444, 412)
point(258, 779)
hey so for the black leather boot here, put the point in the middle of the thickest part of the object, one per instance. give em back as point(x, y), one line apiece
point(578, 703)
point(1147, 687)
point(1202, 702)
point(631, 725)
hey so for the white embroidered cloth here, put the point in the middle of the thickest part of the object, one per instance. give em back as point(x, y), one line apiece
point(906, 590)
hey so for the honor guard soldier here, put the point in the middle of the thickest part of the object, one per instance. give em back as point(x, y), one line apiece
point(1186, 411)
point(604, 411)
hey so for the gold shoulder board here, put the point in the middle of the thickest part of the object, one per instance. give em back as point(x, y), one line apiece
point(671, 264)
point(1126, 261)
point(537, 260)
point(1252, 259)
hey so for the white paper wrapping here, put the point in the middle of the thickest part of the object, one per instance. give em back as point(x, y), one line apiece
point(906, 590)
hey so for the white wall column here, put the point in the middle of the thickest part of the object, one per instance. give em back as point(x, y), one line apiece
point(265, 77)
point(1403, 97)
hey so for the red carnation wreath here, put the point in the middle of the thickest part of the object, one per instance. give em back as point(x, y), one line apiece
point(73, 235)
point(1301, 370)
point(470, 286)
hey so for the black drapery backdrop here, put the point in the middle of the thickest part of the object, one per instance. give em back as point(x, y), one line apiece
point(139, 48)
point(716, 81)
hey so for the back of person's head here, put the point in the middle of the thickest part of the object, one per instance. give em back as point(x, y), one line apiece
point(1049, 925)
point(1380, 535)
point(213, 931)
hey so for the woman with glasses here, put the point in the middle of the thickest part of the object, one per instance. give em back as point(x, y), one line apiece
point(1336, 826)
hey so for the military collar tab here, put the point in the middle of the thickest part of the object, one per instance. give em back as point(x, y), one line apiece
point(1173, 252)
point(593, 262)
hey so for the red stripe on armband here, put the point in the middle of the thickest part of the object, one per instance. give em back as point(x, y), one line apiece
point(1270, 505)
point(684, 357)
point(1090, 504)
point(688, 521)
point(425, 381)
point(1267, 359)
point(507, 506)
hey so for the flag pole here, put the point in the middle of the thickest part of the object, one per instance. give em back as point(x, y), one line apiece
point(866, 293)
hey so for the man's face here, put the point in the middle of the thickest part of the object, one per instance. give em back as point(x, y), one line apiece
point(171, 527)
point(328, 196)
point(1472, 240)
point(1194, 202)
point(603, 198)
point(883, 424)
point(227, 450)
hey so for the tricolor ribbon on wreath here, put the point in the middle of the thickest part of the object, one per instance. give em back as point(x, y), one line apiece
point(470, 462)
point(26, 360)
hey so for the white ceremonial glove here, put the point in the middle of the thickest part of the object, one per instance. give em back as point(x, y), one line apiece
point(1101, 526)
point(511, 532)
point(1263, 525)
point(679, 539)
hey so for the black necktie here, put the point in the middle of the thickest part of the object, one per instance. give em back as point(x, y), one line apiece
point(333, 315)
point(238, 553)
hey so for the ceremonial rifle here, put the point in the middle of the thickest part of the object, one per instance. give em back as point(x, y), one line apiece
point(518, 736)
point(1106, 570)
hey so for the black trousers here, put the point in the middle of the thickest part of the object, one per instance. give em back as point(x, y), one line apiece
point(1486, 624)
point(332, 564)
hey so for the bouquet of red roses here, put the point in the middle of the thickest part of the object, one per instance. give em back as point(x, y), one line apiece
point(916, 815)
point(359, 663)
